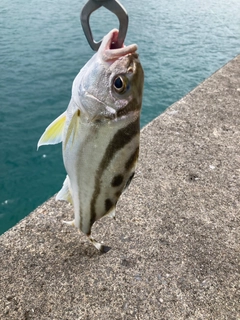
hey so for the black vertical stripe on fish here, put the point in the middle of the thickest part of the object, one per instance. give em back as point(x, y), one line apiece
point(132, 106)
point(132, 160)
point(122, 137)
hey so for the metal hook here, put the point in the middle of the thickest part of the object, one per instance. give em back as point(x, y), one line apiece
point(115, 7)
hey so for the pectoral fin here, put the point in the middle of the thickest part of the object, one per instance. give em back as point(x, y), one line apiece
point(53, 133)
point(72, 128)
point(65, 192)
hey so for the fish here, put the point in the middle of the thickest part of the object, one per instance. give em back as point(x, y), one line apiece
point(100, 133)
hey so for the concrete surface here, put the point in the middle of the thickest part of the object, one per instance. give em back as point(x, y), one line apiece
point(175, 242)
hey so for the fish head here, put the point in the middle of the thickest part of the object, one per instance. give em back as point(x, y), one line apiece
point(110, 85)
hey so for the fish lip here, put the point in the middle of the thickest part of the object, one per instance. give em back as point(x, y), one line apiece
point(107, 53)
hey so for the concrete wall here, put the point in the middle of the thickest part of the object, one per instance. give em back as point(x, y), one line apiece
point(175, 241)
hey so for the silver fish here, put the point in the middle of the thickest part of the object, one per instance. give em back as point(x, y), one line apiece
point(100, 133)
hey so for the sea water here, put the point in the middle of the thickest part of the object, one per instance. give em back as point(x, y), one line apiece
point(42, 48)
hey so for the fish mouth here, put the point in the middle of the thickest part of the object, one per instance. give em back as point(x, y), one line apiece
point(108, 53)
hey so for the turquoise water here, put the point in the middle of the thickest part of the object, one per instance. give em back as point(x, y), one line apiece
point(42, 48)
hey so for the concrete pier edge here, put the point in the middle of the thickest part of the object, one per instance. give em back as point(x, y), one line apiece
point(175, 241)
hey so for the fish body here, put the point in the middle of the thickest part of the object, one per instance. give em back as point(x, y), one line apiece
point(100, 132)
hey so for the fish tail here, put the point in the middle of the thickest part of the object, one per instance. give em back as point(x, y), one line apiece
point(102, 248)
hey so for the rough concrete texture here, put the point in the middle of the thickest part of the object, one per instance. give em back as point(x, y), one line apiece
point(175, 241)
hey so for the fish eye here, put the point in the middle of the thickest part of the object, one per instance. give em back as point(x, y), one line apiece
point(120, 84)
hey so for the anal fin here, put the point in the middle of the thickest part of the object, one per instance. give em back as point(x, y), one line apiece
point(65, 192)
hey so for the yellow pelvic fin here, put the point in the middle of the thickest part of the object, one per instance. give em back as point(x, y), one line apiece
point(73, 127)
point(53, 133)
point(65, 192)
